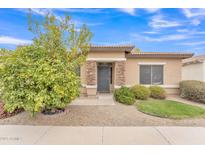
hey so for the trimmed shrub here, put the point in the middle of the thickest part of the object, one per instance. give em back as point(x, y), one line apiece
point(42, 76)
point(141, 92)
point(193, 90)
point(124, 95)
point(32, 80)
point(157, 92)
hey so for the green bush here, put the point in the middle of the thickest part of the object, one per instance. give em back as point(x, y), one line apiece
point(157, 92)
point(193, 90)
point(141, 92)
point(124, 95)
point(42, 76)
point(33, 81)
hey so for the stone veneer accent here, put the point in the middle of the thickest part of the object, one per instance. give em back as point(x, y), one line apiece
point(120, 73)
point(91, 69)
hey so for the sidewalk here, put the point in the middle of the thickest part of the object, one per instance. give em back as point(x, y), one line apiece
point(19, 134)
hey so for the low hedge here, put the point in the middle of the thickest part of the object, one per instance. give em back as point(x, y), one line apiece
point(124, 95)
point(141, 92)
point(193, 90)
point(157, 92)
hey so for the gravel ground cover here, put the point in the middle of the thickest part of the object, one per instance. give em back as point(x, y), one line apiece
point(104, 115)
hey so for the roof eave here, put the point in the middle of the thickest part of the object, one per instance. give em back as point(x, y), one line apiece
point(193, 62)
point(120, 48)
point(177, 56)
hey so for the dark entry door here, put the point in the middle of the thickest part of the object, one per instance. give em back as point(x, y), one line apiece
point(103, 78)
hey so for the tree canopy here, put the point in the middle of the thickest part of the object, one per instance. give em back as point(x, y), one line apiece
point(42, 76)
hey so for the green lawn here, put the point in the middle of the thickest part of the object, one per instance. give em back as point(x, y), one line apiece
point(170, 109)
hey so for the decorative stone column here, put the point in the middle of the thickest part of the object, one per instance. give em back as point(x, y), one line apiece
point(120, 73)
point(91, 70)
point(91, 81)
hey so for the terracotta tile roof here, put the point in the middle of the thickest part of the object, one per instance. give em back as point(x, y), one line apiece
point(159, 55)
point(194, 60)
point(113, 46)
point(127, 47)
point(131, 53)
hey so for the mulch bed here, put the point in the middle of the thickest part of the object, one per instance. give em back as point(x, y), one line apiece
point(43, 115)
point(4, 114)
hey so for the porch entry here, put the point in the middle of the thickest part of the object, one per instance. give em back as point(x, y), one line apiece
point(104, 77)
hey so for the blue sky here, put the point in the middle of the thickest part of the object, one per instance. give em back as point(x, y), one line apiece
point(163, 30)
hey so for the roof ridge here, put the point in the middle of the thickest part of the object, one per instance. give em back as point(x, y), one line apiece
point(117, 45)
point(161, 53)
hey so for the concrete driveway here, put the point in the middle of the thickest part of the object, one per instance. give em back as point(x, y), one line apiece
point(21, 134)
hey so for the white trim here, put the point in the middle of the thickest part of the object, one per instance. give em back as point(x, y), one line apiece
point(106, 59)
point(170, 86)
point(163, 86)
point(152, 63)
point(89, 86)
point(116, 87)
point(83, 85)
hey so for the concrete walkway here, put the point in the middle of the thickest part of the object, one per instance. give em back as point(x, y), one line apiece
point(21, 134)
point(101, 99)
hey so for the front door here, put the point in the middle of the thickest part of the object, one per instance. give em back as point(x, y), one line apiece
point(103, 78)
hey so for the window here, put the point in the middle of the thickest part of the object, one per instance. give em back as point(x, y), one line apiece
point(151, 74)
point(145, 74)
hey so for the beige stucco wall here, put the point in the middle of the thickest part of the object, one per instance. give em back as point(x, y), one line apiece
point(194, 72)
point(172, 91)
point(82, 74)
point(172, 72)
point(83, 79)
point(204, 70)
point(99, 56)
point(106, 54)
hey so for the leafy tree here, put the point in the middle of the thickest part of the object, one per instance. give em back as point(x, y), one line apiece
point(42, 76)
point(137, 50)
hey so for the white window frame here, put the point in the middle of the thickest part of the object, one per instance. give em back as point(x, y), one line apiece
point(151, 64)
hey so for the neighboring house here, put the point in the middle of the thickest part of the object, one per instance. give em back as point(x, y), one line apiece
point(194, 68)
point(110, 67)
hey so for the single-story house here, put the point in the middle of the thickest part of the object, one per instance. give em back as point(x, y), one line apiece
point(109, 67)
point(194, 68)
